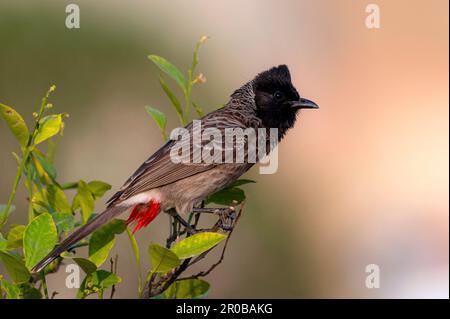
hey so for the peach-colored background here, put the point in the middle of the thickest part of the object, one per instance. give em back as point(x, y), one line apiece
point(362, 180)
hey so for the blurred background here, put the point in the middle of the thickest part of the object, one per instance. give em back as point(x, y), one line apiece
point(364, 180)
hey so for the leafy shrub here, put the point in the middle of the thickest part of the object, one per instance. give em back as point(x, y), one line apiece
point(52, 216)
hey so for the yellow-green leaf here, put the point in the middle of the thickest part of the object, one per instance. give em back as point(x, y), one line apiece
point(102, 240)
point(49, 126)
point(43, 175)
point(15, 267)
point(98, 188)
point(96, 282)
point(3, 243)
point(46, 165)
point(162, 258)
point(12, 291)
point(159, 117)
point(186, 289)
point(197, 244)
point(170, 69)
point(40, 237)
point(84, 200)
point(65, 221)
point(88, 266)
point(227, 196)
point(176, 104)
point(191, 288)
point(57, 199)
point(15, 236)
point(15, 123)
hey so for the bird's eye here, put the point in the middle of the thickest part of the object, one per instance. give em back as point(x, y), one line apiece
point(278, 96)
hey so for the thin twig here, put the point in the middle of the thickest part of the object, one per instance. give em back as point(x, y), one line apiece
point(157, 284)
point(171, 280)
point(44, 284)
point(114, 271)
point(222, 256)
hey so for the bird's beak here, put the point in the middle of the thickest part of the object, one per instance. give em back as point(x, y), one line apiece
point(304, 104)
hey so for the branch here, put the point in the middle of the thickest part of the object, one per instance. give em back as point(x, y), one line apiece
point(158, 284)
point(222, 256)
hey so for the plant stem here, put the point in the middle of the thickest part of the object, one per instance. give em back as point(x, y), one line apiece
point(44, 284)
point(137, 257)
point(30, 194)
point(187, 97)
point(27, 151)
point(17, 178)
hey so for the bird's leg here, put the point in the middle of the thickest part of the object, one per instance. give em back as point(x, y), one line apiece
point(172, 231)
point(226, 214)
point(177, 217)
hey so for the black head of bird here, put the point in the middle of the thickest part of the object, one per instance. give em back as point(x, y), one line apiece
point(277, 100)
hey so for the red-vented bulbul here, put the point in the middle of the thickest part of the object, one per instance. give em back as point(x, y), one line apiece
point(159, 184)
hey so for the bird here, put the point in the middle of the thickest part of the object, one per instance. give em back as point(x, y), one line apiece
point(269, 100)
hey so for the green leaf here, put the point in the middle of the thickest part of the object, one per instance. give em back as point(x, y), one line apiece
point(186, 289)
point(191, 288)
point(162, 258)
point(170, 69)
point(102, 240)
point(64, 221)
point(40, 202)
point(58, 200)
point(241, 182)
point(43, 176)
point(88, 266)
point(227, 196)
point(39, 239)
point(15, 267)
point(84, 200)
point(49, 126)
point(197, 244)
point(15, 236)
point(105, 279)
point(15, 123)
point(159, 117)
point(46, 165)
point(97, 282)
point(29, 292)
point(3, 243)
point(4, 214)
point(176, 104)
point(69, 185)
point(12, 291)
point(98, 188)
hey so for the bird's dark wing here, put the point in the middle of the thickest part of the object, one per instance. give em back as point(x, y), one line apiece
point(159, 169)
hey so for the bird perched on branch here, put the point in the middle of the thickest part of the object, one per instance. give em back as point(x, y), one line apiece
point(161, 184)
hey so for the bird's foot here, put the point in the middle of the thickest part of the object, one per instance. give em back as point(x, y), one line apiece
point(189, 228)
point(227, 216)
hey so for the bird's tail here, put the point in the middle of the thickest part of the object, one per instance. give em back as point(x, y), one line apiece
point(80, 233)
